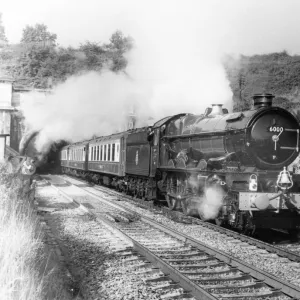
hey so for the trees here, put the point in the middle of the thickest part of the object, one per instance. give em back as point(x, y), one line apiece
point(118, 46)
point(38, 62)
point(95, 56)
point(109, 55)
point(38, 34)
point(277, 73)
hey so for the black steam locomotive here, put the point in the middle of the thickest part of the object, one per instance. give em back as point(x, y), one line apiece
point(234, 168)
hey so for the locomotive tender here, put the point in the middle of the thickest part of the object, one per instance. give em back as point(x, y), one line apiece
point(230, 167)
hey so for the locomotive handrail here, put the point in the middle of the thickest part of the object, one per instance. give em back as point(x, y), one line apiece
point(292, 148)
point(210, 133)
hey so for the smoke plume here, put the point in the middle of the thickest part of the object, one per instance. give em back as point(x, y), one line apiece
point(82, 107)
point(175, 67)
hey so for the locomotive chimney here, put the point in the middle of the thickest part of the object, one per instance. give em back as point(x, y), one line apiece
point(262, 100)
point(216, 110)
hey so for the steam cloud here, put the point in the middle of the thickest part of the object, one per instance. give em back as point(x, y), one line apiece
point(210, 205)
point(167, 73)
point(83, 106)
point(175, 67)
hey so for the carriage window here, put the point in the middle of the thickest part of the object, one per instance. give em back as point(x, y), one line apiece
point(109, 149)
point(101, 152)
point(98, 152)
point(108, 156)
point(105, 152)
point(113, 152)
point(117, 158)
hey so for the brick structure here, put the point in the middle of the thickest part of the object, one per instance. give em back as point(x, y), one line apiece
point(6, 107)
point(12, 97)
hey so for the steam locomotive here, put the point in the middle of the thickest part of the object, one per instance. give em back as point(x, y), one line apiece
point(233, 168)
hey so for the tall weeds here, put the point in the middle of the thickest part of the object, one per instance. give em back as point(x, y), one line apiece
point(25, 273)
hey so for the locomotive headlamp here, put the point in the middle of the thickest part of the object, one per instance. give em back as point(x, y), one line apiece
point(284, 180)
point(253, 183)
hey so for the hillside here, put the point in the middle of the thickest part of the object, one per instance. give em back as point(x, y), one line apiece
point(276, 73)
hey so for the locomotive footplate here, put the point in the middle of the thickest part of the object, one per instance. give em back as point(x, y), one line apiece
point(268, 201)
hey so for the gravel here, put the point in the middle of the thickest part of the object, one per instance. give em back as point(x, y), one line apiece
point(282, 268)
point(100, 262)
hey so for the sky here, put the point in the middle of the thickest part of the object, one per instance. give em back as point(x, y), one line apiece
point(175, 66)
point(241, 26)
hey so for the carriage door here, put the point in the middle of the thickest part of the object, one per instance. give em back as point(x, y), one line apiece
point(155, 152)
point(122, 156)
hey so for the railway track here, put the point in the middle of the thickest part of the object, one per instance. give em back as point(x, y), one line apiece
point(290, 250)
point(201, 271)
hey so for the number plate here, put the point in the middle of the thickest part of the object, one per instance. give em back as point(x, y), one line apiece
point(275, 129)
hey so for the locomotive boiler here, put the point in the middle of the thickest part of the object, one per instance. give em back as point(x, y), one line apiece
point(233, 168)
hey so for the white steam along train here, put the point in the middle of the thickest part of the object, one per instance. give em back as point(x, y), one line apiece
point(228, 167)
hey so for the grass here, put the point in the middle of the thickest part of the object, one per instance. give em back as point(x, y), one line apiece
point(28, 271)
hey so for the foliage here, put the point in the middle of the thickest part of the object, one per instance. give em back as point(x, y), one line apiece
point(276, 73)
point(39, 63)
point(118, 46)
point(38, 34)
